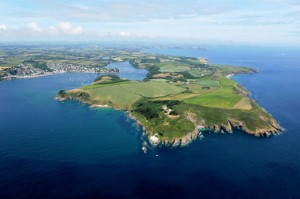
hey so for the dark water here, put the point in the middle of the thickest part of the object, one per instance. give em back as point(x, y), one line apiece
point(50, 149)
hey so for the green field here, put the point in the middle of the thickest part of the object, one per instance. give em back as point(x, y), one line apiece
point(125, 94)
point(152, 89)
point(217, 99)
point(226, 82)
point(10, 62)
point(221, 98)
point(113, 95)
point(172, 67)
point(200, 73)
point(158, 80)
point(206, 82)
point(94, 86)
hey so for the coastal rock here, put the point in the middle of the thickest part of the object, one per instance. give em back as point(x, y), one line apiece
point(177, 142)
point(273, 129)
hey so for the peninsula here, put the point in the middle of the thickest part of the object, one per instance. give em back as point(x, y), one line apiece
point(180, 99)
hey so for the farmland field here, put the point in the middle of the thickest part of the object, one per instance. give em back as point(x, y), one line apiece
point(216, 99)
point(221, 98)
point(113, 95)
point(124, 94)
point(172, 67)
point(200, 73)
point(152, 89)
point(10, 62)
point(207, 82)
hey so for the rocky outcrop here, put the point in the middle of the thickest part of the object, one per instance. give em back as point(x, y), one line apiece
point(177, 142)
point(274, 129)
point(75, 94)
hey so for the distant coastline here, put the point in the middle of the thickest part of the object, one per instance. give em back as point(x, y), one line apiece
point(23, 71)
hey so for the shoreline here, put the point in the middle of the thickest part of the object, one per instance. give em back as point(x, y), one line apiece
point(197, 134)
point(229, 75)
point(28, 76)
point(99, 106)
point(48, 74)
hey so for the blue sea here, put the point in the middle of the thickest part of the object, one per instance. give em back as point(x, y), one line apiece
point(51, 149)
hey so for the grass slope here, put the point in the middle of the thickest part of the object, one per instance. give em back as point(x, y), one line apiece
point(125, 94)
point(152, 89)
point(221, 98)
point(113, 95)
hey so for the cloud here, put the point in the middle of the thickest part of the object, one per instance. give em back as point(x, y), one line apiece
point(67, 28)
point(2, 27)
point(124, 34)
point(62, 29)
point(34, 27)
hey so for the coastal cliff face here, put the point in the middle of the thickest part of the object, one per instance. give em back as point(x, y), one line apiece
point(274, 129)
point(178, 142)
point(76, 94)
point(271, 127)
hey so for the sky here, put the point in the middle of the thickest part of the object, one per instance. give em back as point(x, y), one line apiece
point(215, 21)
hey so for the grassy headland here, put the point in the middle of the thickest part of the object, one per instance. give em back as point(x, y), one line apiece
point(180, 97)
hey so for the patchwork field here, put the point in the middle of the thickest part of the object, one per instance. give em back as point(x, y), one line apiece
point(223, 97)
point(200, 73)
point(152, 89)
point(206, 82)
point(125, 94)
point(218, 99)
point(171, 67)
point(113, 95)
point(10, 62)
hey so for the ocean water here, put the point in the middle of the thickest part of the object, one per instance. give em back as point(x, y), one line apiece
point(50, 149)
